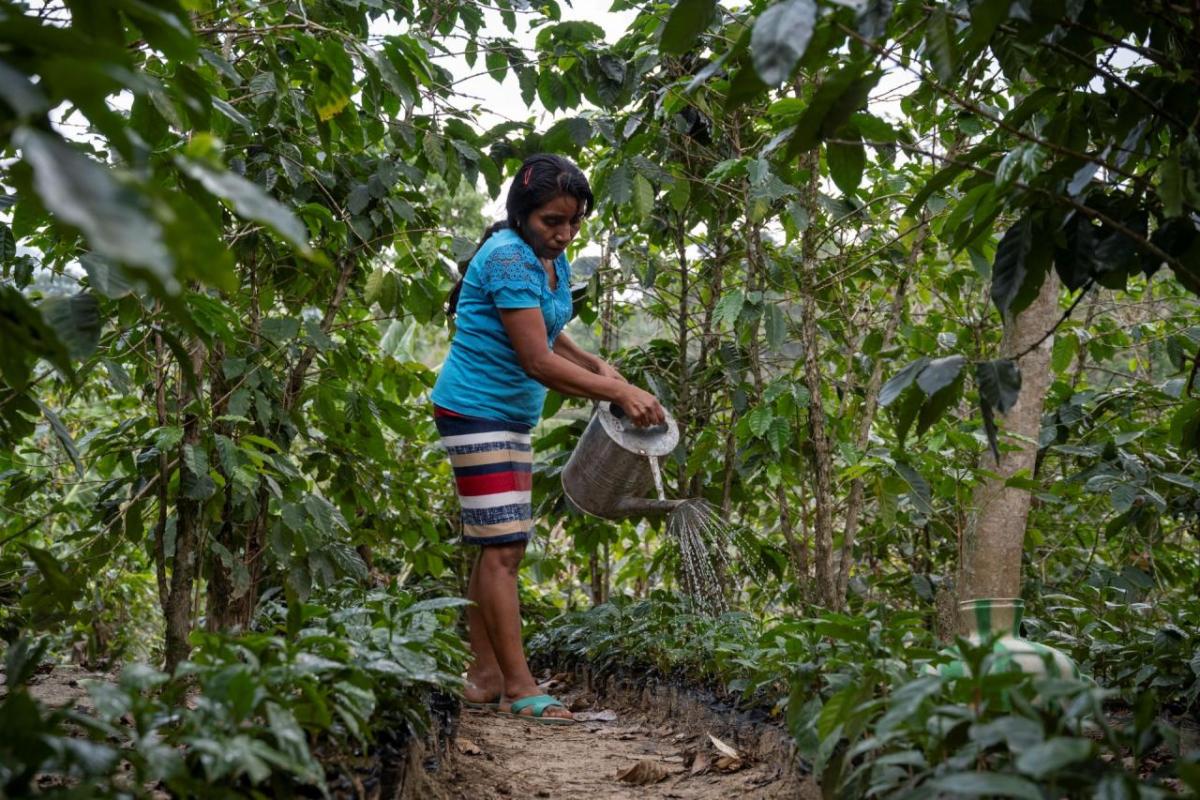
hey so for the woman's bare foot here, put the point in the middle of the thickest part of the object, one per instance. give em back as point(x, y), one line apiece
point(550, 711)
point(483, 687)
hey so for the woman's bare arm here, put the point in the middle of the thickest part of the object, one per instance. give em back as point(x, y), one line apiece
point(527, 331)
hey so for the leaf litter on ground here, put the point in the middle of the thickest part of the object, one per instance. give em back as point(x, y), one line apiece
point(467, 747)
point(731, 759)
point(607, 715)
point(644, 773)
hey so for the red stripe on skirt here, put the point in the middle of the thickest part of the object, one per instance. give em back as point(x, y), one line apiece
point(477, 485)
point(438, 411)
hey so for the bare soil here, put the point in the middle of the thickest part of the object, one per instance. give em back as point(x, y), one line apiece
point(501, 756)
point(61, 686)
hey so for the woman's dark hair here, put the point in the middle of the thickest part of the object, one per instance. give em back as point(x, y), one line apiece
point(540, 179)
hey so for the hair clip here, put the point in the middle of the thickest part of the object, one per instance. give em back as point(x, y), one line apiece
point(528, 172)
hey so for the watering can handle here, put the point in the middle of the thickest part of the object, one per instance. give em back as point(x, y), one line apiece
point(620, 414)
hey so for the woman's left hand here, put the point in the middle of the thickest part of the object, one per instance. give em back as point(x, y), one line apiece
point(607, 370)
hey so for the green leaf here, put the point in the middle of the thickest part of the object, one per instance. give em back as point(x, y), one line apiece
point(63, 435)
point(989, 427)
point(643, 196)
point(620, 184)
point(435, 604)
point(373, 287)
point(497, 63)
point(527, 79)
point(940, 373)
point(75, 320)
point(332, 82)
point(776, 326)
point(837, 709)
point(900, 381)
point(324, 514)
point(8, 244)
point(873, 18)
point(846, 163)
point(940, 45)
point(687, 20)
point(779, 435)
point(106, 276)
point(280, 329)
point(833, 103)
point(435, 150)
point(921, 494)
point(82, 193)
point(1010, 272)
point(911, 403)
point(780, 36)
point(62, 588)
point(1185, 426)
point(249, 200)
point(999, 383)
point(1170, 187)
point(194, 478)
point(729, 308)
point(1076, 262)
point(21, 94)
point(937, 404)
point(989, 784)
point(1065, 349)
point(22, 659)
point(759, 420)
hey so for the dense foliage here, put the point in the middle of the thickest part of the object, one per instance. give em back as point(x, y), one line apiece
point(252, 712)
point(871, 716)
point(847, 243)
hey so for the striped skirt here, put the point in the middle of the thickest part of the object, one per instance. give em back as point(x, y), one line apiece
point(492, 461)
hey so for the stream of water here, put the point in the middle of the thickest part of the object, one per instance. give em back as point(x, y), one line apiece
point(656, 471)
point(708, 545)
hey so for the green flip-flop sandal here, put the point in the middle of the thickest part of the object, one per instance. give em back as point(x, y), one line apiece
point(538, 703)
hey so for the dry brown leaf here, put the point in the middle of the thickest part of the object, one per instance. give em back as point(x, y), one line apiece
point(467, 747)
point(644, 773)
point(607, 715)
point(727, 764)
point(700, 764)
point(725, 749)
point(581, 703)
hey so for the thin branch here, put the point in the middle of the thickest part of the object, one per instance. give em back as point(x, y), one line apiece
point(1065, 316)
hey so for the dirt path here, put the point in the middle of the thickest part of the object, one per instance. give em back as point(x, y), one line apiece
point(499, 756)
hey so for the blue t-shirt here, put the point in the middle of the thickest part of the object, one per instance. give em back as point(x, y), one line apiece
point(482, 376)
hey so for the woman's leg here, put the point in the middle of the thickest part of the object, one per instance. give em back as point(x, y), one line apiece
point(496, 573)
point(485, 682)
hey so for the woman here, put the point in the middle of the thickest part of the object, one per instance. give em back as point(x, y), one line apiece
point(511, 304)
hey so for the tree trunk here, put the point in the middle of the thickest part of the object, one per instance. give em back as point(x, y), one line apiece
point(238, 610)
point(178, 609)
point(854, 503)
point(164, 474)
point(219, 598)
point(990, 555)
point(821, 452)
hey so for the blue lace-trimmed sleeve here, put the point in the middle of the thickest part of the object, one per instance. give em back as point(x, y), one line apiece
point(513, 277)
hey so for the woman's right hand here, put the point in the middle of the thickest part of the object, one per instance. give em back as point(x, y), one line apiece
point(640, 406)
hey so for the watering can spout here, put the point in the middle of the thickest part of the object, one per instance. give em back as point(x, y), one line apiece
point(645, 506)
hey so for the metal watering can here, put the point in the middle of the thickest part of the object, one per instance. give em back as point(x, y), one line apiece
point(608, 474)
